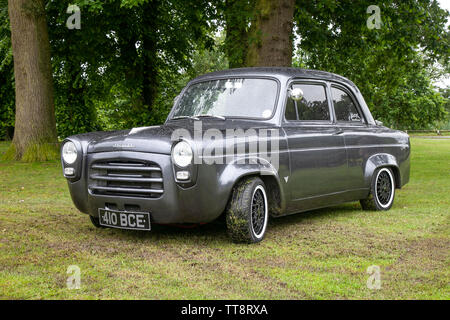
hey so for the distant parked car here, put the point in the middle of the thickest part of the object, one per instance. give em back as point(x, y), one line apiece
point(250, 143)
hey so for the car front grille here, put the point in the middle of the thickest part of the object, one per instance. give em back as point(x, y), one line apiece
point(140, 179)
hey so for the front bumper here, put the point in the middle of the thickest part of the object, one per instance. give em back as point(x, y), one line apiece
point(200, 203)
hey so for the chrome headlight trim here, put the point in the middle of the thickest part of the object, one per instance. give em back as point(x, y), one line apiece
point(182, 154)
point(69, 153)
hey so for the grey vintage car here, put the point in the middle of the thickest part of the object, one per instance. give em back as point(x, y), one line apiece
point(247, 143)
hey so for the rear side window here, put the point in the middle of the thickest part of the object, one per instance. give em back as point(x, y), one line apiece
point(344, 107)
point(313, 106)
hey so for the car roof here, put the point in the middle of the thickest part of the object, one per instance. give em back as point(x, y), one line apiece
point(277, 72)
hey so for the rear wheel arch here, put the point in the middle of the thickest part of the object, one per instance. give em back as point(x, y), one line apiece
point(397, 177)
point(382, 160)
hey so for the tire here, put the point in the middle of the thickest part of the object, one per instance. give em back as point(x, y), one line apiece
point(247, 211)
point(382, 191)
point(95, 222)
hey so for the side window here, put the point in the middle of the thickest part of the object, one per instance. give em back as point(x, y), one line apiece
point(313, 106)
point(344, 107)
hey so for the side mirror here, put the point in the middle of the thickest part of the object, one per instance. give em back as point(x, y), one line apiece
point(296, 94)
point(378, 123)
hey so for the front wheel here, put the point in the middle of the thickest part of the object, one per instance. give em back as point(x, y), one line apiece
point(247, 211)
point(382, 191)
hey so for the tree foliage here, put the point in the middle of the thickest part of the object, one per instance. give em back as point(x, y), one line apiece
point(236, 17)
point(7, 101)
point(117, 66)
point(130, 58)
point(393, 66)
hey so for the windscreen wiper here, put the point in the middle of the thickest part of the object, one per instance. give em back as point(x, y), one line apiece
point(210, 116)
point(184, 117)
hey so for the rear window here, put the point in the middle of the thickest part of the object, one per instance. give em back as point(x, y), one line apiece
point(344, 107)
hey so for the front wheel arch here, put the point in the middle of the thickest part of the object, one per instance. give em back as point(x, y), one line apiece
point(275, 194)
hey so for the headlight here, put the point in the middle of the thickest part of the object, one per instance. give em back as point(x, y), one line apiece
point(69, 152)
point(182, 154)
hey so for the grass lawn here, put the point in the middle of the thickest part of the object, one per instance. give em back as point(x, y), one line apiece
point(429, 134)
point(322, 254)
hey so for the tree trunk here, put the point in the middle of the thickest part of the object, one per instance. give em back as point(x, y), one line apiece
point(150, 62)
point(236, 41)
point(35, 127)
point(270, 39)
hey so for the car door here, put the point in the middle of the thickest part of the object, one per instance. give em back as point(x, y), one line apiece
point(358, 136)
point(317, 155)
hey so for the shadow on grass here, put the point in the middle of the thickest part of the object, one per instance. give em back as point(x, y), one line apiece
point(217, 231)
point(327, 213)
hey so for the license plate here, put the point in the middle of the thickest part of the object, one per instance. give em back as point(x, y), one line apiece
point(124, 219)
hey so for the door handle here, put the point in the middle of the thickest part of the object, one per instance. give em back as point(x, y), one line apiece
point(338, 132)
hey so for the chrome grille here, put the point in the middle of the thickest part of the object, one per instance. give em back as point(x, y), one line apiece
point(126, 178)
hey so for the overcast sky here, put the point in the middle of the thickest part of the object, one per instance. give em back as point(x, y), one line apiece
point(445, 4)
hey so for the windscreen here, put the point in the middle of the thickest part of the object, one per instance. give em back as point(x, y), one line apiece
point(243, 97)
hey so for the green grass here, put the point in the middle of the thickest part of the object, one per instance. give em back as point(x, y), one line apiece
point(322, 254)
point(429, 134)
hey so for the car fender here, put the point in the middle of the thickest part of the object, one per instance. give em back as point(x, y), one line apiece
point(254, 166)
point(380, 160)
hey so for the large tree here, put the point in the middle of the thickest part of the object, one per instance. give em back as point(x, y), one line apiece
point(258, 32)
point(270, 38)
point(35, 129)
point(236, 16)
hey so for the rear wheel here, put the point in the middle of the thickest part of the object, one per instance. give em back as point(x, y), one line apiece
point(382, 191)
point(248, 211)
